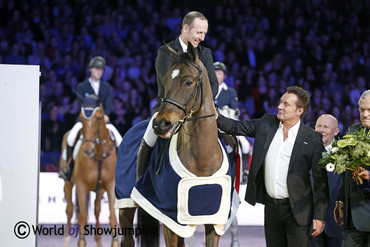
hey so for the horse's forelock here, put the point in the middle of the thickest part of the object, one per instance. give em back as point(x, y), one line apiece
point(182, 59)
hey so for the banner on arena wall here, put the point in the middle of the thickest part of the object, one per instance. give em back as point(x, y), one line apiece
point(19, 159)
point(52, 205)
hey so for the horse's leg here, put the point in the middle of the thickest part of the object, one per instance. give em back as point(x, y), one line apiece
point(97, 208)
point(82, 194)
point(171, 239)
point(147, 222)
point(112, 214)
point(126, 221)
point(69, 209)
point(212, 237)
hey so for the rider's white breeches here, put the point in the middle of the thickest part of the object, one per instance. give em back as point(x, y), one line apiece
point(117, 135)
point(78, 126)
point(73, 134)
point(149, 136)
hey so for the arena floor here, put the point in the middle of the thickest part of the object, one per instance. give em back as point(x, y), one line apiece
point(251, 236)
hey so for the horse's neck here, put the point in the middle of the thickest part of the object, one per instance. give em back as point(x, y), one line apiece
point(199, 150)
point(102, 148)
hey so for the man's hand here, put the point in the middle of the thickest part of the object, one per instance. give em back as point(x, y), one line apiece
point(318, 226)
point(215, 110)
point(339, 213)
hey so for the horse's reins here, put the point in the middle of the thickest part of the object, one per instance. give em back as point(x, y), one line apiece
point(198, 91)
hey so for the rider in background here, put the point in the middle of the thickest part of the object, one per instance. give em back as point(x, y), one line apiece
point(226, 98)
point(91, 86)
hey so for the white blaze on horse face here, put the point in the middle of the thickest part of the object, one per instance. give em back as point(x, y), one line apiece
point(175, 73)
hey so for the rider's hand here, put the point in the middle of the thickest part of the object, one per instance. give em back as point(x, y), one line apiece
point(106, 118)
point(339, 213)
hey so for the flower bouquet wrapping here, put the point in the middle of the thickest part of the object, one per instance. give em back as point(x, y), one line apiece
point(352, 152)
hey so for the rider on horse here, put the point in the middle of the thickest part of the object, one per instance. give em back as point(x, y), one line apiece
point(102, 90)
point(194, 29)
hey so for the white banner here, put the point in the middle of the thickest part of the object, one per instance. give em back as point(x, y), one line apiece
point(52, 204)
point(19, 153)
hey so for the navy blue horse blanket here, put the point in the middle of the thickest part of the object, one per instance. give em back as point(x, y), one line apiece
point(175, 196)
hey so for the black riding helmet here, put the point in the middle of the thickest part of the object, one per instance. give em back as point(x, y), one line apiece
point(97, 61)
point(219, 66)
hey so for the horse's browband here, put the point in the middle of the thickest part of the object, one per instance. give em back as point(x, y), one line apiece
point(96, 108)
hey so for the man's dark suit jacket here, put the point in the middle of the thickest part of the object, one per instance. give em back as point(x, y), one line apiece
point(355, 197)
point(306, 153)
point(105, 94)
point(164, 61)
point(332, 229)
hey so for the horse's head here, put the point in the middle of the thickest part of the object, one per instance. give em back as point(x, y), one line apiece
point(185, 83)
point(92, 118)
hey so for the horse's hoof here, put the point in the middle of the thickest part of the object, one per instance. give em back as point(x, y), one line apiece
point(67, 239)
point(81, 243)
point(235, 243)
point(115, 243)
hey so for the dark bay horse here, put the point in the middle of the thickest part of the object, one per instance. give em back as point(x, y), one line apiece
point(93, 171)
point(188, 103)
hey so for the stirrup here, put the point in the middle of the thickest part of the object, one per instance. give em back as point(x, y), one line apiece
point(63, 173)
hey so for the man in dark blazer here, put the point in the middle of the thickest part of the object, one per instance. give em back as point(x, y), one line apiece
point(356, 198)
point(194, 30)
point(284, 152)
point(327, 125)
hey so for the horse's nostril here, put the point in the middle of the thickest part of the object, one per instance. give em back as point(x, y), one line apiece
point(163, 124)
point(161, 127)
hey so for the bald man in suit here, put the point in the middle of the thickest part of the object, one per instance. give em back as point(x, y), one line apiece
point(327, 125)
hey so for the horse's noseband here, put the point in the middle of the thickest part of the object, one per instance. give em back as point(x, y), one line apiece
point(198, 91)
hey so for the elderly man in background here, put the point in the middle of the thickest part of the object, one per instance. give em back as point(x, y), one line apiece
point(327, 125)
point(354, 200)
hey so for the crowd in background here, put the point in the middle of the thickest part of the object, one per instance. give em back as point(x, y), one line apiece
point(267, 45)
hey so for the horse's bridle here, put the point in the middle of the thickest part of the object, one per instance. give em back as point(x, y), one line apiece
point(198, 91)
point(98, 141)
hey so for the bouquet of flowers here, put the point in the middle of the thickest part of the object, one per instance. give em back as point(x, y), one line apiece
point(352, 152)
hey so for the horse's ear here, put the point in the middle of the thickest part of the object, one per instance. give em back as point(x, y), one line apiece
point(101, 108)
point(173, 53)
point(191, 51)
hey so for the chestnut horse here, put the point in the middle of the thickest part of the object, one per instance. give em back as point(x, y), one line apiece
point(188, 108)
point(94, 170)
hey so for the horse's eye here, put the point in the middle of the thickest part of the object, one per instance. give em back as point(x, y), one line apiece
point(188, 82)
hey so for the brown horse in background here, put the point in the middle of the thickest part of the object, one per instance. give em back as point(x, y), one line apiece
point(188, 102)
point(94, 170)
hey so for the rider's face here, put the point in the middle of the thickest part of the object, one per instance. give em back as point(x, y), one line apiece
point(96, 73)
point(195, 32)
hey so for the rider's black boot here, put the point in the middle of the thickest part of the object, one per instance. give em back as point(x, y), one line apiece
point(66, 171)
point(143, 158)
